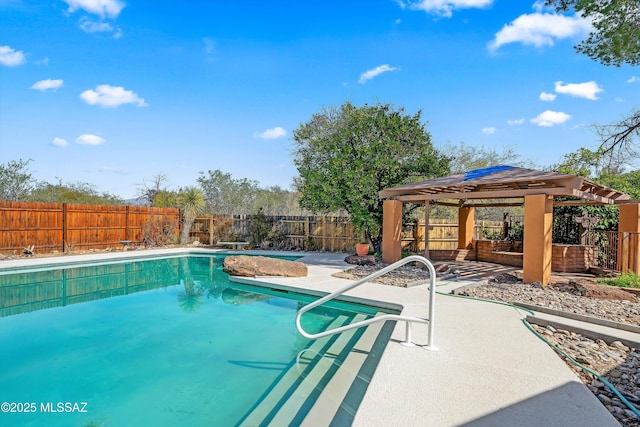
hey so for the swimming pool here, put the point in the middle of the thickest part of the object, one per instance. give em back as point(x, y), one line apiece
point(170, 341)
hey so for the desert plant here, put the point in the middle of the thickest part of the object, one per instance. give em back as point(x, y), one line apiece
point(191, 201)
point(159, 231)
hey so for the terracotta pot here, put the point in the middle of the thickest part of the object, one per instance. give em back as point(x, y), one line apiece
point(362, 249)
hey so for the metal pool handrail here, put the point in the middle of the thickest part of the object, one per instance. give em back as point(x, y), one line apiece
point(407, 319)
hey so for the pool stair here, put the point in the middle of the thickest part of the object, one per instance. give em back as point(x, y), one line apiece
point(326, 380)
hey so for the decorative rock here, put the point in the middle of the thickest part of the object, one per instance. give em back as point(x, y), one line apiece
point(604, 399)
point(251, 266)
point(619, 345)
point(360, 260)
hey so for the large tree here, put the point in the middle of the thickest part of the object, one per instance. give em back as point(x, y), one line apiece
point(345, 155)
point(615, 40)
point(16, 182)
point(226, 195)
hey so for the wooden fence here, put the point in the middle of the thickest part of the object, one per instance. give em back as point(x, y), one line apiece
point(321, 233)
point(327, 233)
point(51, 227)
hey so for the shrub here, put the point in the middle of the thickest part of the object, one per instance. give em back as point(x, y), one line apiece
point(258, 228)
point(625, 280)
point(159, 231)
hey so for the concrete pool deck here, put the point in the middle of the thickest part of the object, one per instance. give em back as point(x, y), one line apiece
point(489, 369)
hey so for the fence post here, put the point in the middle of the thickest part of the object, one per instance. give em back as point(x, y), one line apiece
point(126, 223)
point(64, 227)
point(211, 229)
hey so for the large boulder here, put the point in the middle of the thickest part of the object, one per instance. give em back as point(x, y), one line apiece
point(360, 260)
point(251, 266)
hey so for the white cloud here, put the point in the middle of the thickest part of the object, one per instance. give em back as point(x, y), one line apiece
point(102, 8)
point(111, 96)
point(515, 122)
point(444, 8)
point(633, 79)
point(11, 57)
point(618, 99)
point(550, 118)
point(89, 26)
point(43, 61)
point(90, 139)
point(544, 96)
point(540, 29)
point(489, 130)
point(588, 90)
point(59, 142)
point(369, 74)
point(275, 133)
point(43, 85)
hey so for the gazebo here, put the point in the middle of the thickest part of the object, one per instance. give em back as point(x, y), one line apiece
point(534, 189)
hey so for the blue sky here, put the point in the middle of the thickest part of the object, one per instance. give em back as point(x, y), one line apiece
point(114, 92)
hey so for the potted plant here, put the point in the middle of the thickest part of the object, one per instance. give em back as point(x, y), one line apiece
point(362, 248)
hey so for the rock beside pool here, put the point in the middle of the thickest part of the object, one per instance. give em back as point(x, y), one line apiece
point(251, 266)
point(360, 260)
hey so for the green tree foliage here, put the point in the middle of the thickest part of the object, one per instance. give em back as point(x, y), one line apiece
point(75, 192)
point(615, 38)
point(587, 163)
point(191, 201)
point(226, 195)
point(165, 199)
point(583, 162)
point(16, 181)
point(346, 155)
point(275, 200)
point(628, 183)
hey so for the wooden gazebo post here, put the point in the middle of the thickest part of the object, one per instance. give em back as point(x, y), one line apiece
point(629, 238)
point(466, 224)
point(538, 223)
point(391, 231)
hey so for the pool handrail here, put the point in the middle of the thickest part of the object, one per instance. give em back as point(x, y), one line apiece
point(407, 319)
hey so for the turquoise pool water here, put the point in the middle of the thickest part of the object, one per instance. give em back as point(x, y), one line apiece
point(161, 342)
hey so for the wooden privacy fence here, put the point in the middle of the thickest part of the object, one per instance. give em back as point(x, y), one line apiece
point(318, 233)
point(326, 233)
point(443, 233)
point(65, 226)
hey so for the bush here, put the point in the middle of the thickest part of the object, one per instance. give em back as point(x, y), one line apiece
point(222, 229)
point(159, 231)
point(258, 228)
point(625, 280)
